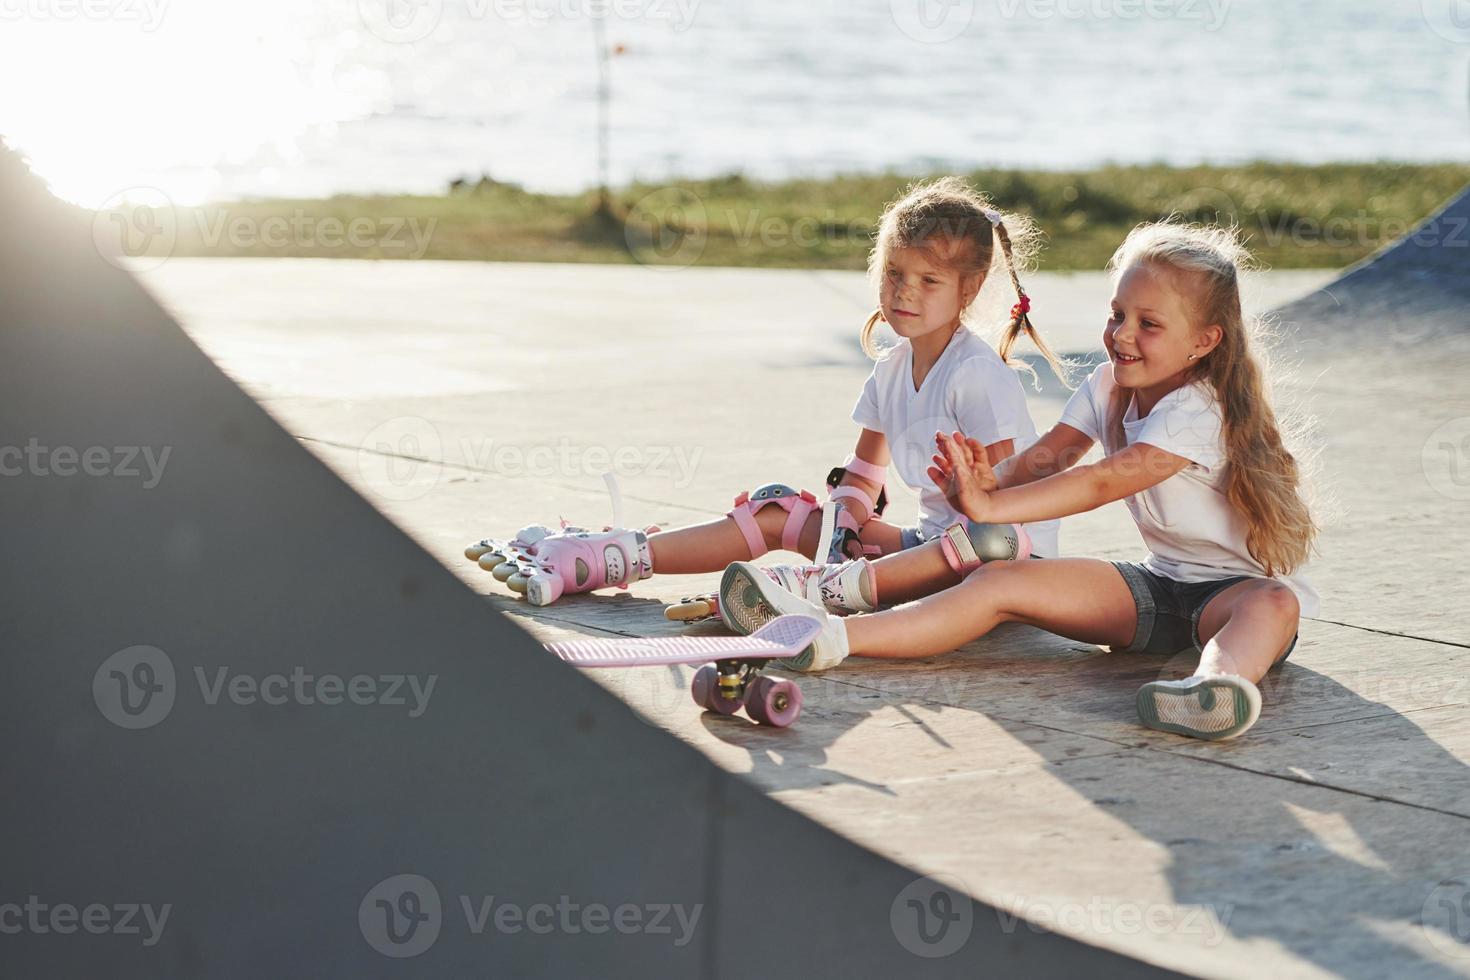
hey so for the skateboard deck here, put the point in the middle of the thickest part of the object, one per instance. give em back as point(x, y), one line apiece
point(784, 636)
point(734, 680)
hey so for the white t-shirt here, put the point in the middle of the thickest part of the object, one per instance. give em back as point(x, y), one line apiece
point(970, 389)
point(1192, 532)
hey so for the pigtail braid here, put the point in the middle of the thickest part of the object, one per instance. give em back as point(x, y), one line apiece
point(1021, 313)
point(866, 337)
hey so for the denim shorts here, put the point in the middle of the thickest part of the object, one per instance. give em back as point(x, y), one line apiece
point(1169, 611)
point(912, 537)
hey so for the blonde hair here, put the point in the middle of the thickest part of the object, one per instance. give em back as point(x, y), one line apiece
point(949, 212)
point(1262, 477)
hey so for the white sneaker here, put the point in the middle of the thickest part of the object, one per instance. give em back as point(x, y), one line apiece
point(1217, 706)
point(749, 599)
point(842, 588)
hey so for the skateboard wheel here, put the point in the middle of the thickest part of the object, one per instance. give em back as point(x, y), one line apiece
point(774, 702)
point(706, 692)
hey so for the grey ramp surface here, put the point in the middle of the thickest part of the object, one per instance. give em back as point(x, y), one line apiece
point(269, 830)
point(1393, 333)
point(1414, 290)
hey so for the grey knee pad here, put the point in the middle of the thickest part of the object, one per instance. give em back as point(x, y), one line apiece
point(968, 545)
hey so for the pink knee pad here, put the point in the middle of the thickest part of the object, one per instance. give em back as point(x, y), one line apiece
point(968, 545)
point(583, 561)
point(799, 505)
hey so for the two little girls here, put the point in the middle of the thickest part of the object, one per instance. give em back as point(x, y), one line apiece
point(1182, 412)
point(1191, 443)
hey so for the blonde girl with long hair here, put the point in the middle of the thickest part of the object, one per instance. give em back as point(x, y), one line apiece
point(944, 264)
point(1182, 411)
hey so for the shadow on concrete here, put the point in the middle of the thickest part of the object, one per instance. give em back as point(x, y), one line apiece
point(1327, 832)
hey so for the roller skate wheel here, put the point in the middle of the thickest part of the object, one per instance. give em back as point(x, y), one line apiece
point(688, 610)
point(773, 701)
point(516, 582)
point(502, 570)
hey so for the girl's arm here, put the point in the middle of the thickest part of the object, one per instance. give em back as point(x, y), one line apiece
point(1058, 449)
point(1075, 491)
point(871, 447)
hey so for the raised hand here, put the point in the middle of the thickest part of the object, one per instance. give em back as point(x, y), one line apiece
point(962, 471)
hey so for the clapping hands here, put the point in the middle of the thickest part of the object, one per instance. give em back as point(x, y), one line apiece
point(962, 471)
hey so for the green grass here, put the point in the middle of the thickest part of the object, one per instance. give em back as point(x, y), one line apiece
point(1295, 216)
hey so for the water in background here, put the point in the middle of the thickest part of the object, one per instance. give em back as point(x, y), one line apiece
point(213, 99)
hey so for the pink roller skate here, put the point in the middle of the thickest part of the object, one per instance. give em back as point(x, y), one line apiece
point(579, 561)
point(498, 549)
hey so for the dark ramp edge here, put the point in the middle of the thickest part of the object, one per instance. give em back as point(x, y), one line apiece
point(1415, 290)
point(265, 827)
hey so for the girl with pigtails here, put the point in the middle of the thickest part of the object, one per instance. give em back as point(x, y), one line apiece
point(942, 259)
point(1182, 410)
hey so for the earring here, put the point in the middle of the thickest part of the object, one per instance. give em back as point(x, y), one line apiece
point(1193, 356)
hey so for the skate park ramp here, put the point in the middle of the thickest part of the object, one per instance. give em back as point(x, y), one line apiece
point(1416, 290)
point(252, 729)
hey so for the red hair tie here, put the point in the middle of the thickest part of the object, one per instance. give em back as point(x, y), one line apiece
point(1021, 308)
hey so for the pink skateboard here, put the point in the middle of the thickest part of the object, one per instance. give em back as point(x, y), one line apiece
point(736, 679)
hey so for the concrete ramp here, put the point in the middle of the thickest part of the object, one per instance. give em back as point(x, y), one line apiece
point(1414, 290)
point(250, 729)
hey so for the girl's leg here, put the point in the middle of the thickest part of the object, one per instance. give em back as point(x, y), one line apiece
point(1080, 598)
point(912, 572)
point(705, 547)
point(888, 538)
point(1246, 628)
point(711, 546)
